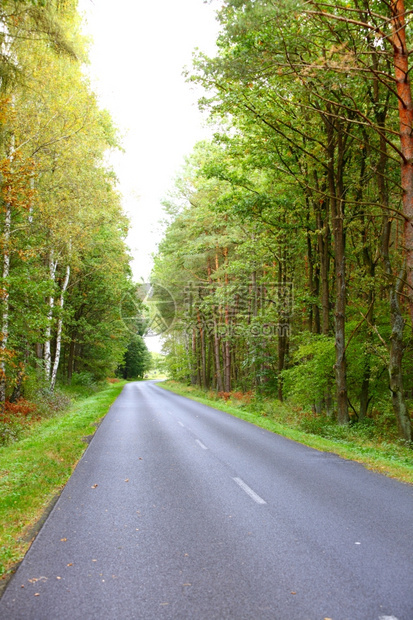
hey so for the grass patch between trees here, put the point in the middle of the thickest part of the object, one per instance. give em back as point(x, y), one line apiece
point(36, 467)
point(365, 443)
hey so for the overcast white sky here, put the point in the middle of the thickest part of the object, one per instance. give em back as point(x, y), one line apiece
point(137, 58)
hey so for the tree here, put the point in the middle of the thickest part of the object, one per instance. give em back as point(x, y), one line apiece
point(137, 359)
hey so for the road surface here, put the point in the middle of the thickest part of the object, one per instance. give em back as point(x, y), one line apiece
point(179, 511)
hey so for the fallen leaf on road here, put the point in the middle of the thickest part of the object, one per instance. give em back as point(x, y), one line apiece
point(127, 480)
point(63, 539)
point(187, 584)
point(37, 594)
point(71, 564)
point(293, 592)
point(94, 486)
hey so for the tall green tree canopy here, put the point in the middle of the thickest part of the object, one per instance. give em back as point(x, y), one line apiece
point(308, 185)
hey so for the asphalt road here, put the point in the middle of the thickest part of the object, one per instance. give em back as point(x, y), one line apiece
point(179, 511)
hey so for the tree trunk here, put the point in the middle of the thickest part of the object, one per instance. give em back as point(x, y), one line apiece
point(395, 361)
point(396, 339)
point(227, 342)
point(209, 363)
point(203, 349)
point(47, 352)
point(282, 341)
point(59, 330)
point(340, 366)
point(227, 354)
point(4, 294)
point(324, 258)
point(218, 373)
point(314, 325)
point(5, 304)
point(217, 361)
point(194, 364)
point(405, 103)
point(18, 388)
point(252, 314)
point(337, 216)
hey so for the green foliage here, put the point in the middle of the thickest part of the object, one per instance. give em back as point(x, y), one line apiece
point(177, 360)
point(84, 379)
point(137, 359)
point(311, 375)
point(61, 220)
point(158, 366)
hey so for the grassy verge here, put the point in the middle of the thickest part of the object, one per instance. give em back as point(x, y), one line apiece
point(359, 442)
point(35, 468)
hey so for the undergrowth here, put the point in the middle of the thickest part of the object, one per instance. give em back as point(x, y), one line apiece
point(18, 418)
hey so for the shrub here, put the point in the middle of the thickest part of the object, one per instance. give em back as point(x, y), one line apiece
point(15, 419)
point(83, 379)
point(313, 366)
point(49, 403)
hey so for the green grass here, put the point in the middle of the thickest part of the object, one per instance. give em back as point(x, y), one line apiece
point(366, 443)
point(35, 468)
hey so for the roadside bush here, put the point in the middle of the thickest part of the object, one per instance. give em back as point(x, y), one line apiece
point(10, 431)
point(313, 363)
point(324, 427)
point(16, 419)
point(50, 403)
point(84, 379)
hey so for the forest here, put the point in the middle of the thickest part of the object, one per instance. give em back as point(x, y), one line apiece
point(64, 265)
point(288, 244)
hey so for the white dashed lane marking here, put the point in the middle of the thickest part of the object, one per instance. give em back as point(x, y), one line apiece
point(203, 446)
point(253, 495)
